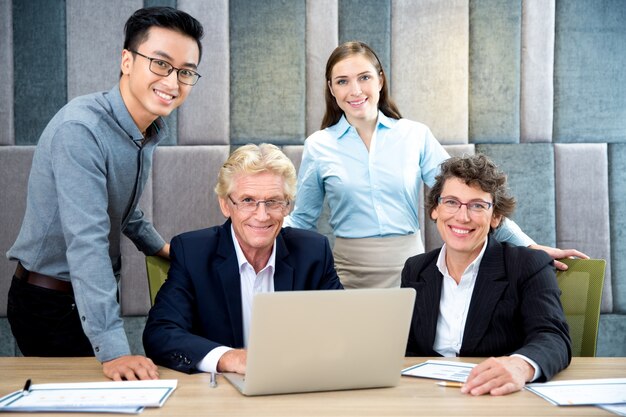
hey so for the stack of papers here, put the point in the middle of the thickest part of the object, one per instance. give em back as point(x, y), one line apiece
point(442, 370)
point(98, 397)
point(609, 393)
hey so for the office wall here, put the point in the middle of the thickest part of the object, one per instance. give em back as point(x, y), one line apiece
point(538, 85)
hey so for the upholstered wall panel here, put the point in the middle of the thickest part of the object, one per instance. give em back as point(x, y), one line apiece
point(134, 294)
point(183, 182)
point(582, 195)
point(321, 38)
point(537, 63)
point(204, 118)
point(590, 81)
point(7, 134)
point(431, 237)
point(530, 171)
point(617, 207)
point(368, 21)
point(7, 342)
point(39, 30)
point(15, 162)
point(90, 23)
point(153, 3)
point(267, 78)
point(494, 68)
point(429, 70)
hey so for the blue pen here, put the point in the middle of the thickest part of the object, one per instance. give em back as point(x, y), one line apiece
point(26, 389)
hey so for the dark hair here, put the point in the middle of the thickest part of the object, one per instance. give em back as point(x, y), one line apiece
point(346, 50)
point(139, 24)
point(474, 170)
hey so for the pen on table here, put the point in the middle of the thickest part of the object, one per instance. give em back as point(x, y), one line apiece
point(213, 383)
point(26, 389)
point(450, 384)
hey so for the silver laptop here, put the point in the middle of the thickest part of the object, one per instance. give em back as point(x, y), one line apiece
point(303, 341)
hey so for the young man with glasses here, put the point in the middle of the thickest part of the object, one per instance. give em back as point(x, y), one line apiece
point(89, 170)
point(201, 316)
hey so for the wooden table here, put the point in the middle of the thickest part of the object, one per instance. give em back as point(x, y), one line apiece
point(413, 397)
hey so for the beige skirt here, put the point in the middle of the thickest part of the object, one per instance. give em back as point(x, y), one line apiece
point(374, 262)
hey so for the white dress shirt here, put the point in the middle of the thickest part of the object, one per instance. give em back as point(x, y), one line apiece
point(251, 283)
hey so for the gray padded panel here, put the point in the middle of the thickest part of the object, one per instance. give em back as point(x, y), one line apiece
point(530, 171)
point(204, 118)
point(134, 331)
point(15, 162)
point(39, 31)
point(611, 335)
point(183, 182)
point(537, 65)
point(432, 240)
point(95, 37)
point(429, 70)
point(321, 38)
point(368, 21)
point(153, 3)
point(582, 195)
point(134, 293)
point(590, 81)
point(267, 78)
point(617, 204)
point(8, 346)
point(494, 56)
point(7, 135)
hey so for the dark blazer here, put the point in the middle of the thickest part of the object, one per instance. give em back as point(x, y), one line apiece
point(515, 307)
point(198, 308)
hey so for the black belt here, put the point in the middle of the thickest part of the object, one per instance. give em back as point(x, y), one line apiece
point(40, 280)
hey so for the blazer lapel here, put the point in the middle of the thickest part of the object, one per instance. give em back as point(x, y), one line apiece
point(284, 275)
point(490, 284)
point(428, 289)
point(228, 272)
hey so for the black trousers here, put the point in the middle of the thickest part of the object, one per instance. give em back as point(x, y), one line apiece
point(45, 322)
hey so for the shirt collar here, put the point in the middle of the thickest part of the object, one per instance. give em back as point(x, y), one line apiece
point(125, 120)
point(241, 258)
point(343, 126)
point(473, 267)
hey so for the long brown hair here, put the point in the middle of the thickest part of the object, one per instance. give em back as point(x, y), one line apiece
point(346, 50)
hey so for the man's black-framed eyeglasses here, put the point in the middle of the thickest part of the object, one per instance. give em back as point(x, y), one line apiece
point(163, 68)
point(249, 205)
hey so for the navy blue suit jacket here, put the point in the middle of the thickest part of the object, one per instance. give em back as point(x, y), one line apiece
point(198, 308)
point(515, 307)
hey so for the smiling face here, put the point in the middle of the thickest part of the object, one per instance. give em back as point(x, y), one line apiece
point(255, 231)
point(148, 95)
point(464, 232)
point(356, 86)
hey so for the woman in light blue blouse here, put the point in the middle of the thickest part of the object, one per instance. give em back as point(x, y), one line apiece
point(368, 162)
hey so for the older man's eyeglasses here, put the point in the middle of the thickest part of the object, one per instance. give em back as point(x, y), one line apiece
point(164, 68)
point(452, 205)
point(248, 205)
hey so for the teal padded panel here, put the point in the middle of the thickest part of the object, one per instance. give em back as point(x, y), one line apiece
point(537, 69)
point(429, 65)
point(134, 294)
point(90, 23)
point(590, 80)
point(133, 326)
point(494, 67)
point(617, 204)
point(8, 346)
point(582, 198)
point(432, 239)
point(612, 335)
point(204, 118)
point(39, 33)
point(368, 21)
point(15, 162)
point(321, 38)
point(530, 171)
point(267, 77)
point(7, 136)
point(154, 3)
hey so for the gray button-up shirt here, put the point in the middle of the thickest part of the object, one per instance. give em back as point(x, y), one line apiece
point(89, 170)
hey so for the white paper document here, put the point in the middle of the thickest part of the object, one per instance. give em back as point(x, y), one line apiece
point(582, 391)
point(443, 370)
point(101, 397)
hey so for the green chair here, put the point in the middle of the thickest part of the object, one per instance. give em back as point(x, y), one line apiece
point(581, 296)
point(157, 268)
